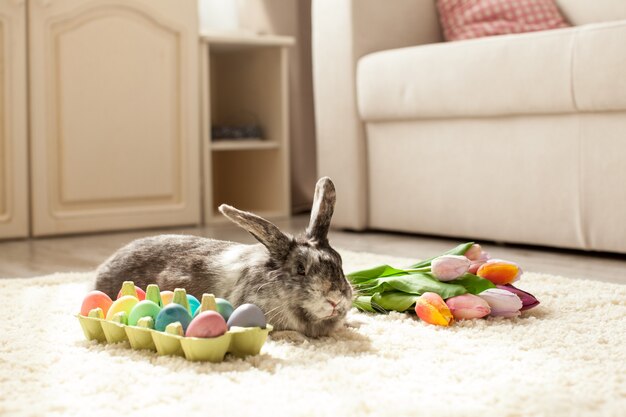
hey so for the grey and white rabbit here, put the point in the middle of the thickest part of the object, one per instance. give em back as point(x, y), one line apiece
point(297, 281)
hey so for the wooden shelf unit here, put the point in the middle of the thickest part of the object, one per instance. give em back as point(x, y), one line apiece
point(244, 79)
point(236, 145)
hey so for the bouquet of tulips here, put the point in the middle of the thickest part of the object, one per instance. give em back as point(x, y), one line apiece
point(464, 283)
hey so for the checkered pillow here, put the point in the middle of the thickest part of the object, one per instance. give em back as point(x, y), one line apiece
point(467, 19)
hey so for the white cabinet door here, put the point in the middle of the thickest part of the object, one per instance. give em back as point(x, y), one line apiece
point(13, 124)
point(114, 114)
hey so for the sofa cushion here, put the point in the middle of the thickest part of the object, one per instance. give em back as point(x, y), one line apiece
point(599, 67)
point(508, 74)
point(560, 71)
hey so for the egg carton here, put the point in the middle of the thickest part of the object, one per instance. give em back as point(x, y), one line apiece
point(238, 341)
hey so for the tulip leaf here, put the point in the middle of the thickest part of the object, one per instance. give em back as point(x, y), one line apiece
point(376, 272)
point(364, 302)
point(394, 300)
point(473, 283)
point(459, 250)
point(417, 284)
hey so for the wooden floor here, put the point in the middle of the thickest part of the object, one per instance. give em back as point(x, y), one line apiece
point(35, 257)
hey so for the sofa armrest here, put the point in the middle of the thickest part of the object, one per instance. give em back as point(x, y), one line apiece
point(344, 31)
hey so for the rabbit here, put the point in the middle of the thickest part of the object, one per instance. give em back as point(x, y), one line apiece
point(297, 281)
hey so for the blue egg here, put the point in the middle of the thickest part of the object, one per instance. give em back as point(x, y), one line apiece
point(172, 313)
point(194, 304)
point(247, 315)
point(224, 308)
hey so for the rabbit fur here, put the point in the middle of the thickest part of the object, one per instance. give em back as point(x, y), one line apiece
point(297, 281)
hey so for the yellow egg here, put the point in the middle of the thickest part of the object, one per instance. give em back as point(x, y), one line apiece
point(125, 304)
point(167, 297)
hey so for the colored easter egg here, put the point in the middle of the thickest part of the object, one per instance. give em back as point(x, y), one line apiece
point(194, 304)
point(224, 308)
point(207, 324)
point(167, 297)
point(141, 294)
point(125, 303)
point(145, 308)
point(95, 299)
point(172, 313)
point(247, 315)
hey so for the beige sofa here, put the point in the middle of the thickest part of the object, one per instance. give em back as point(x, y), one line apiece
point(518, 138)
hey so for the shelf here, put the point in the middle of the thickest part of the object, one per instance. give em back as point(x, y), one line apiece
point(246, 75)
point(235, 41)
point(249, 180)
point(243, 145)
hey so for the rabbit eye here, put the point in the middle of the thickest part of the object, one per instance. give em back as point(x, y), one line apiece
point(301, 270)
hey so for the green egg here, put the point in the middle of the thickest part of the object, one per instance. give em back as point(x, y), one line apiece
point(224, 308)
point(145, 308)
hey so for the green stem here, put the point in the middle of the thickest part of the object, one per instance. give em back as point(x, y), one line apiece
point(423, 269)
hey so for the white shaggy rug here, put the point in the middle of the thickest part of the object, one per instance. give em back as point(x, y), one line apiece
point(565, 358)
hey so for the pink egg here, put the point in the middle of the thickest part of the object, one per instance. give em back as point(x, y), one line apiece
point(207, 324)
point(141, 294)
point(93, 300)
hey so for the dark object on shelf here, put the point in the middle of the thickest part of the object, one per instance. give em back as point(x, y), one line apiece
point(236, 132)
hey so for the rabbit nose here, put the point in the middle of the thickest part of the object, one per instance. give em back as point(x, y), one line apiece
point(332, 302)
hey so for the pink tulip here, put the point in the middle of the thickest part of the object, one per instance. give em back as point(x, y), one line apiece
point(449, 267)
point(474, 252)
point(503, 303)
point(528, 300)
point(468, 306)
point(477, 257)
point(474, 267)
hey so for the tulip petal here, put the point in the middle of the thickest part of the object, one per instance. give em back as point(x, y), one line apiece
point(528, 300)
point(473, 269)
point(431, 308)
point(499, 272)
point(477, 261)
point(449, 267)
point(468, 306)
point(503, 303)
point(474, 252)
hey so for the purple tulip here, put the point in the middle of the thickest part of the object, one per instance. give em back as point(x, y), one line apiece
point(449, 267)
point(528, 300)
point(503, 303)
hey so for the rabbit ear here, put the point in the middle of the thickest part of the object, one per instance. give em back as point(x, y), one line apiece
point(278, 243)
point(322, 211)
